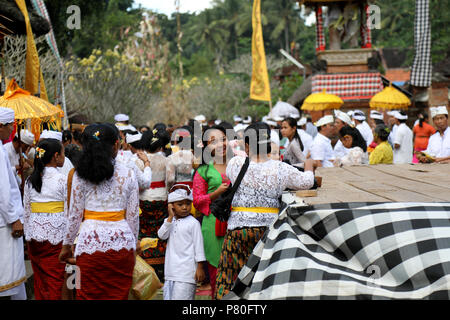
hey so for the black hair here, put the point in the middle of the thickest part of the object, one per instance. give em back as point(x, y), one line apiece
point(358, 139)
point(424, 116)
point(257, 136)
point(378, 121)
point(76, 135)
point(66, 136)
point(96, 163)
point(293, 124)
point(151, 142)
point(160, 126)
point(73, 153)
point(231, 134)
point(382, 132)
point(51, 147)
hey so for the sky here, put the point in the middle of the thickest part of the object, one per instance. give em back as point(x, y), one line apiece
point(168, 6)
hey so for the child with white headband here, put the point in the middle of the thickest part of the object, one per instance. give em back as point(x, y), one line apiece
point(185, 255)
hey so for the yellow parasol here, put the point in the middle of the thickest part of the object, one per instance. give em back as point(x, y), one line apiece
point(389, 98)
point(28, 107)
point(322, 101)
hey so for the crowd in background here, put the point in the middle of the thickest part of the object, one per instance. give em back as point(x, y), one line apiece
point(92, 192)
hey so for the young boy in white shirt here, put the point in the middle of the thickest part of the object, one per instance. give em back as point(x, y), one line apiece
point(183, 266)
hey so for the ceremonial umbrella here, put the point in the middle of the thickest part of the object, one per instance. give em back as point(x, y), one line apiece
point(322, 101)
point(389, 98)
point(30, 110)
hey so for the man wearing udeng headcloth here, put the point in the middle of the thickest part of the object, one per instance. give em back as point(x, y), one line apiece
point(12, 264)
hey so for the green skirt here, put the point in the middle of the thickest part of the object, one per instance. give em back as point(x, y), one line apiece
point(211, 243)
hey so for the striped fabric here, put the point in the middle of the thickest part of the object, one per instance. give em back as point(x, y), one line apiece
point(421, 68)
point(320, 37)
point(366, 34)
point(349, 86)
point(351, 251)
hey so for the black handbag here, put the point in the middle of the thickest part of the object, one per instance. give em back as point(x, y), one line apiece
point(221, 207)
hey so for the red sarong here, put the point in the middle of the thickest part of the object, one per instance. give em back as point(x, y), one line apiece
point(105, 275)
point(48, 272)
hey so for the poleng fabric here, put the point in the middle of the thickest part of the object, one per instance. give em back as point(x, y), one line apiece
point(359, 250)
point(105, 275)
point(237, 247)
point(421, 67)
point(48, 272)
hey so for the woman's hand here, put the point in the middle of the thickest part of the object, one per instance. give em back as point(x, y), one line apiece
point(142, 156)
point(66, 254)
point(309, 165)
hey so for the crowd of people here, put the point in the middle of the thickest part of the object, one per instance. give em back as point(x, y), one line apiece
point(87, 196)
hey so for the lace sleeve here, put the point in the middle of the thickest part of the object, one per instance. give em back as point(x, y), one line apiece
point(234, 167)
point(354, 157)
point(144, 178)
point(294, 179)
point(170, 173)
point(75, 213)
point(132, 215)
point(26, 207)
point(200, 194)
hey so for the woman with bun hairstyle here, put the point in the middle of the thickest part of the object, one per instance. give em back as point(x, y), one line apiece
point(383, 152)
point(153, 200)
point(256, 203)
point(104, 210)
point(45, 219)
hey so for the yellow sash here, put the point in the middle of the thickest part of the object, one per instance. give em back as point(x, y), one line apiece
point(47, 207)
point(104, 216)
point(256, 209)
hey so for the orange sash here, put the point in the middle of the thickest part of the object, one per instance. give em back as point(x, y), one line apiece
point(104, 216)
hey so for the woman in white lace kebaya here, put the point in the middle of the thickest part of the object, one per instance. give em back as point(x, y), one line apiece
point(153, 200)
point(104, 209)
point(45, 220)
point(256, 202)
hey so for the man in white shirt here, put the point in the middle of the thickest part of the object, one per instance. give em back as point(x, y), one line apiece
point(12, 264)
point(393, 126)
point(310, 128)
point(360, 122)
point(439, 143)
point(403, 140)
point(321, 150)
point(342, 119)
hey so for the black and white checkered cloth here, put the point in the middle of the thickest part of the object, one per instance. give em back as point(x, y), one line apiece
point(352, 251)
point(421, 68)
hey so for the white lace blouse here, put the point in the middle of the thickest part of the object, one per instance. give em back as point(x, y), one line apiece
point(42, 226)
point(121, 192)
point(262, 186)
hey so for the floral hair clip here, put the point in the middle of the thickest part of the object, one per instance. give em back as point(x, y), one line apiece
point(96, 135)
point(40, 152)
point(155, 131)
point(154, 139)
point(168, 146)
